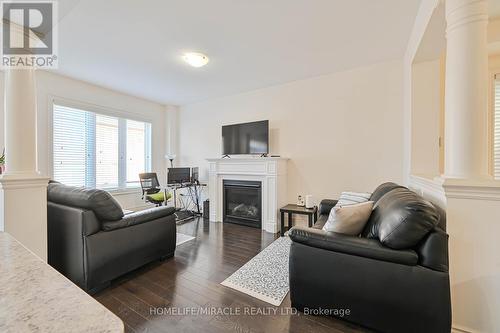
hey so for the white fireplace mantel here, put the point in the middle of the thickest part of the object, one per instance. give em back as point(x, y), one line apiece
point(270, 171)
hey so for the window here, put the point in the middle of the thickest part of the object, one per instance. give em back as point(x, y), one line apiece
point(496, 141)
point(106, 151)
point(99, 151)
point(137, 145)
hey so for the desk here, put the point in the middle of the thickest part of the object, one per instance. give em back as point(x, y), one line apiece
point(194, 193)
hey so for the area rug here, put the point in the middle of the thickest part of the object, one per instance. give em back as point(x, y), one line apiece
point(181, 239)
point(265, 276)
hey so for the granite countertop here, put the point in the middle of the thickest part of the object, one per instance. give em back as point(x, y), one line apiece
point(34, 297)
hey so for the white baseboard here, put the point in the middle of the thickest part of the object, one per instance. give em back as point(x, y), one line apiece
point(456, 329)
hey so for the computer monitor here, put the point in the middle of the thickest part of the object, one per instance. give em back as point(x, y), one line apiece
point(178, 175)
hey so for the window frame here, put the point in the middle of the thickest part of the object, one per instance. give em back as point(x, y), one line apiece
point(122, 116)
point(494, 77)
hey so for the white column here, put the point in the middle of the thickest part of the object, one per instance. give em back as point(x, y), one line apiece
point(20, 122)
point(466, 154)
point(23, 194)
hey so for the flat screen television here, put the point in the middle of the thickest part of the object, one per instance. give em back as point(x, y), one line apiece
point(246, 138)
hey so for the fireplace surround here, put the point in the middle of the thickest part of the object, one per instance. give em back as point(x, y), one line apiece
point(269, 171)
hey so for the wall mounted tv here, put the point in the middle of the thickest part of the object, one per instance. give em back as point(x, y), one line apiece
point(246, 138)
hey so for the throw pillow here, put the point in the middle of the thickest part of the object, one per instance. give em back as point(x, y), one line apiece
point(350, 219)
point(350, 198)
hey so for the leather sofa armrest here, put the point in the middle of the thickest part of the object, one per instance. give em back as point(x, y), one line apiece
point(433, 251)
point(362, 247)
point(326, 205)
point(139, 217)
point(67, 229)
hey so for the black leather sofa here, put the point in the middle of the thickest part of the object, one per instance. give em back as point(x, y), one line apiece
point(92, 242)
point(385, 283)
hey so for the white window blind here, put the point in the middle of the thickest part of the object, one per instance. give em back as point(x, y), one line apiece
point(96, 150)
point(137, 150)
point(496, 143)
point(106, 151)
point(70, 148)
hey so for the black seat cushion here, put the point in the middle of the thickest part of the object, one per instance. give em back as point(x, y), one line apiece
point(104, 206)
point(401, 218)
point(139, 217)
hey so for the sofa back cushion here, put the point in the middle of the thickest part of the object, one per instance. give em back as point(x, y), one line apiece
point(382, 189)
point(370, 231)
point(104, 206)
point(401, 219)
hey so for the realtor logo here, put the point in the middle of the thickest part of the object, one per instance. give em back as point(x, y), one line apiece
point(28, 34)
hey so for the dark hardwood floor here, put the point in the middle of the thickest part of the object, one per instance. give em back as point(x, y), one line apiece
point(191, 281)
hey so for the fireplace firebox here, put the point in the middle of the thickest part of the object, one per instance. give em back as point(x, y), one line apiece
point(243, 202)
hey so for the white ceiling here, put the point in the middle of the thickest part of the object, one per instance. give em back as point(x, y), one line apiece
point(136, 46)
point(433, 42)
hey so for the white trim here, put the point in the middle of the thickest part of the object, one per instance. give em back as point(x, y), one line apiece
point(472, 189)
point(8, 182)
point(100, 109)
point(243, 158)
point(457, 329)
point(148, 162)
point(440, 189)
point(434, 184)
point(493, 72)
point(429, 187)
point(122, 153)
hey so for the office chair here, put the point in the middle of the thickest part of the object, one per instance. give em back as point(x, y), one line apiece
point(151, 189)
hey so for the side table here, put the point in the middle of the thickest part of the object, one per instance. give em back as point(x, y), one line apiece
point(312, 214)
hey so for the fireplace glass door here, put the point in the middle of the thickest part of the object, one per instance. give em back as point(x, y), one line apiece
point(243, 202)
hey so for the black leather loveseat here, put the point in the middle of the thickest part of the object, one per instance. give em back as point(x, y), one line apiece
point(91, 241)
point(392, 278)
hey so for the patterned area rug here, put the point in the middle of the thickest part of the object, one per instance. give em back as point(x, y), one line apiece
point(265, 276)
point(181, 238)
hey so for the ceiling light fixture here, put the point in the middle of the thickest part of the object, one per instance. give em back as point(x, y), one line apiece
point(195, 59)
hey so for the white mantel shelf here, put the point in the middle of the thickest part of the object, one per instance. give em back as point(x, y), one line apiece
point(270, 171)
point(246, 159)
point(251, 158)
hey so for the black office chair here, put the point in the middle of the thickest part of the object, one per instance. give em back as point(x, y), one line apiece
point(151, 189)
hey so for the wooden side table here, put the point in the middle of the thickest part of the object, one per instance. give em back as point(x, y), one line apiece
point(312, 214)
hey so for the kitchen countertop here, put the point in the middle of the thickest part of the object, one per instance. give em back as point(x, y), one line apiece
point(34, 297)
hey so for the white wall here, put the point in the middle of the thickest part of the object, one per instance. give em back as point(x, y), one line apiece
point(341, 131)
point(425, 13)
point(425, 118)
point(51, 86)
point(475, 264)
